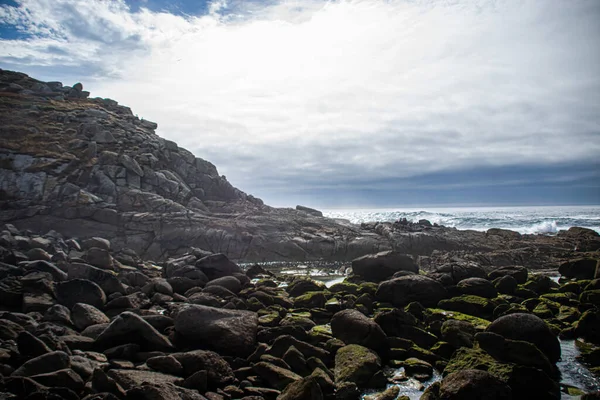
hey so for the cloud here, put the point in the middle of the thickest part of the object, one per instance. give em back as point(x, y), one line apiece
point(313, 93)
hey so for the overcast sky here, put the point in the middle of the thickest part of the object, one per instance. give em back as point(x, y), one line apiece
point(345, 103)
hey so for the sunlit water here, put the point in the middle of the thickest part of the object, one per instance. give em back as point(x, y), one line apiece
point(524, 220)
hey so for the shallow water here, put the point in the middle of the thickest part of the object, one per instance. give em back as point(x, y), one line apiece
point(574, 373)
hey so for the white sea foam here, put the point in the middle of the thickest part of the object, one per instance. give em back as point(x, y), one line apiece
point(526, 220)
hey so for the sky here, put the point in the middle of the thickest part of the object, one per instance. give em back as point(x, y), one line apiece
point(344, 104)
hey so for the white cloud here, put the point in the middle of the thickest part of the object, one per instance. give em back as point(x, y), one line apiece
point(318, 92)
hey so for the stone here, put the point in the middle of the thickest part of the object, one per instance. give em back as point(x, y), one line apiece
point(217, 266)
point(356, 364)
point(528, 328)
point(478, 287)
point(45, 363)
point(353, 327)
point(474, 385)
point(131, 378)
point(61, 378)
point(228, 282)
point(58, 313)
point(105, 279)
point(276, 377)
point(519, 273)
point(96, 242)
point(458, 333)
point(131, 328)
point(219, 373)
point(401, 291)
point(229, 332)
point(82, 291)
point(45, 266)
point(84, 315)
point(99, 258)
point(582, 268)
point(166, 364)
point(305, 388)
point(377, 267)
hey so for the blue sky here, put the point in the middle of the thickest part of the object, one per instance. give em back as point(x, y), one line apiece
point(345, 103)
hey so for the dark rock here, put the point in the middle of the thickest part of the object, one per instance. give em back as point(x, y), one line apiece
point(217, 266)
point(377, 267)
point(31, 346)
point(353, 327)
point(478, 287)
point(474, 385)
point(44, 266)
point(105, 279)
point(131, 328)
point(58, 313)
point(84, 315)
point(401, 291)
point(165, 364)
point(219, 371)
point(529, 328)
point(356, 364)
point(45, 363)
point(582, 268)
point(61, 378)
point(80, 291)
point(519, 273)
point(229, 332)
point(277, 377)
point(310, 211)
point(506, 284)
point(131, 378)
point(458, 333)
point(305, 388)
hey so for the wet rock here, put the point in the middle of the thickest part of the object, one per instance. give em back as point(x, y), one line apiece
point(458, 333)
point(105, 279)
point(58, 313)
point(377, 267)
point(305, 388)
point(61, 378)
point(131, 378)
point(231, 332)
point(218, 370)
point(582, 268)
point(519, 273)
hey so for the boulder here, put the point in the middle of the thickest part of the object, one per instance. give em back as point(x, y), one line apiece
point(229, 332)
point(305, 388)
point(217, 266)
point(131, 328)
point(107, 280)
point(353, 327)
point(473, 384)
point(457, 271)
point(219, 373)
point(48, 362)
point(356, 364)
point(581, 268)
point(228, 282)
point(377, 267)
point(84, 315)
point(83, 291)
point(401, 291)
point(275, 376)
point(478, 287)
point(519, 273)
point(528, 328)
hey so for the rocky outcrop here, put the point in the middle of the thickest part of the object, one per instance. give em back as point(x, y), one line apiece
point(88, 167)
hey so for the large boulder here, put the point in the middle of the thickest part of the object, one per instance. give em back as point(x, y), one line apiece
point(83, 291)
point(353, 327)
point(219, 371)
point(48, 362)
point(356, 364)
point(131, 328)
point(377, 267)
point(529, 328)
point(457, 271)
point(581, 268)
point(84, 315)
point(471, 384)
point(229, 332)
point(406, 289)
point(217, 266)
point(107, 280)
point(478, 287)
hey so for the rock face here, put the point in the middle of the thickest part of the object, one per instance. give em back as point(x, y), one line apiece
point(227, 331)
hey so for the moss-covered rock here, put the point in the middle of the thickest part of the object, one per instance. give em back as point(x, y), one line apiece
point(471, 305)
point(590, 297)
point(588, 326)
point(415, 366)
point(357, 364)
point(479, 323)
point(344, 287)
point(311, 300)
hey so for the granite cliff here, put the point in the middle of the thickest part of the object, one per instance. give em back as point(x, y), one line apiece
point(89, 167)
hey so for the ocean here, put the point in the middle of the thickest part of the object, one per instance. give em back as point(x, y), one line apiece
point(530, 219)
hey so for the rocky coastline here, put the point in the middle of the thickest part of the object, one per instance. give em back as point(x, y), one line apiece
point(120, 278)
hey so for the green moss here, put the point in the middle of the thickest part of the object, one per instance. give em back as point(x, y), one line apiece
point(344, 287)
point(543, 311)
point(311, 300)
point(565, 299)
point(466, 358)
point(471, 305)
point(354, 363)
point(368, 287)
point(446, 315)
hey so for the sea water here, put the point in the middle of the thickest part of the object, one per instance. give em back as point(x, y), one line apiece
point(529, 219)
